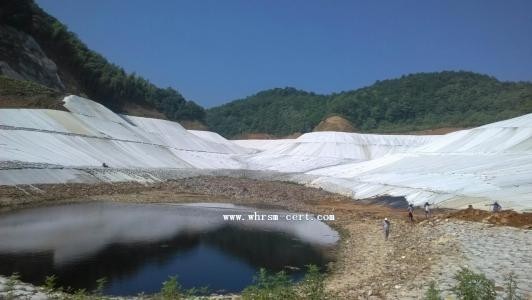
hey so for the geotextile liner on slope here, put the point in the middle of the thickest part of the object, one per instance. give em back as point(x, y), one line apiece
point(484, 164)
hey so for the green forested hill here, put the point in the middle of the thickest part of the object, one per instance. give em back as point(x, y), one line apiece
point(412, 102)
point(277, 111)
point(87, 72)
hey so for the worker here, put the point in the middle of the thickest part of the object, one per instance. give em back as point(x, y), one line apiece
point(386, 227)
point(411, 213)
point(496, 207)
point(428, 213)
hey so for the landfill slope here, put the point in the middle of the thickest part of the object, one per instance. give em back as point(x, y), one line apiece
point(475, 166)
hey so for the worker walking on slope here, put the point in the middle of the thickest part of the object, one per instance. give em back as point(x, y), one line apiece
point(496, 207)
point(386, 227)
point(411, 213)
point(428, 212)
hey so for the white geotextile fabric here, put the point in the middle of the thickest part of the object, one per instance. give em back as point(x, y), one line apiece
point(475, 166)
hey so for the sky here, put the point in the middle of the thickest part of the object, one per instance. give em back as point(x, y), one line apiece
point(217, 51)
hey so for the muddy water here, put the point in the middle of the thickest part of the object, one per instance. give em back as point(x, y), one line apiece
point(137, 246)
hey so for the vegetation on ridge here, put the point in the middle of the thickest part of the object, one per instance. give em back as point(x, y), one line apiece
point(412, 102)
point(89, 71)
point(277, 111)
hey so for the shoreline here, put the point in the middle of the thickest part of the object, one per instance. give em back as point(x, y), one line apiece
point(366, 266)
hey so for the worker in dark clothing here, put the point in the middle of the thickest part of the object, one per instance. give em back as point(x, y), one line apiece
point(411, 213)
point(496, 207)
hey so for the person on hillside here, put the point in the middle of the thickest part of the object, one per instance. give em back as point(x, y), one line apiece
point(428, 213)
point(411, 213)
point(386, 227)
point(496, 207)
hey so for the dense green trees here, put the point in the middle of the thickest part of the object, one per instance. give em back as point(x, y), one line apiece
point(427, 100)
point(90, 73)
point(277, 111)
point(413, 102)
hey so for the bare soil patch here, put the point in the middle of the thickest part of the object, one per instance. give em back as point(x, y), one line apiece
point(505, 217)
point(335, 123)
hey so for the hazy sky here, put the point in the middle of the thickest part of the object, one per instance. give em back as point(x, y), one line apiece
point(217, 51)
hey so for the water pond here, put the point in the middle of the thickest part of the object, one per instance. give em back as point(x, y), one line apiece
point(138, 246)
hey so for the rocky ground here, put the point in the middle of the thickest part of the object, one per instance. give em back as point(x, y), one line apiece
point(367, 266)
point(10, 289)
point(492, 250)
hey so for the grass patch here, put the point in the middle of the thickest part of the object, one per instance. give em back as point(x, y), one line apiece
point(269, 286)
point(433, 293)
point(27, 94)
point(473, 286)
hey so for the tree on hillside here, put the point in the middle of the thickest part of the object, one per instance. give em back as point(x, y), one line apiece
point(98, 78)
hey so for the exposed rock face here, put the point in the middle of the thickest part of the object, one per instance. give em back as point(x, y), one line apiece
point(22, 58)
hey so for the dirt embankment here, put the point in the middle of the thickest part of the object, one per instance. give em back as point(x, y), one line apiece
point(505, 217)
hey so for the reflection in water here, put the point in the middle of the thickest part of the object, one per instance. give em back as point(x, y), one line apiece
point(136, 247)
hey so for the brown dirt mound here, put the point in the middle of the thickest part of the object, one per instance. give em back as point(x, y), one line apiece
point(505, 217)
point(335, 123)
